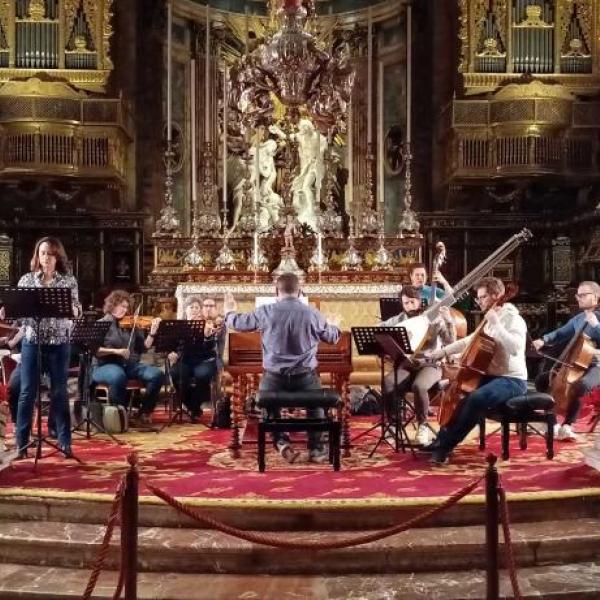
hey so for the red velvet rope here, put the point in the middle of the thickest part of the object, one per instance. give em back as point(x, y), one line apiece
point(103, 551)
point(269, 540)
point(508, 549)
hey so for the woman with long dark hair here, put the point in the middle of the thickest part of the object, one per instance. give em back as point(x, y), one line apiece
point(49, 268)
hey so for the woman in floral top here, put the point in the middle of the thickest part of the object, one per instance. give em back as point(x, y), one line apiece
point(49, 268)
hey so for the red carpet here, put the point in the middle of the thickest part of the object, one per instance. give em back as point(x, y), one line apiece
point(192, 461)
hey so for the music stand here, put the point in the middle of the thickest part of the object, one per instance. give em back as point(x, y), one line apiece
point(90, 336)
point(177, 335)
point(39, 303)
point(393, 342)
point(389, 306)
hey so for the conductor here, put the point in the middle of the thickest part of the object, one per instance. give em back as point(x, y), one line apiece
point(290, 335)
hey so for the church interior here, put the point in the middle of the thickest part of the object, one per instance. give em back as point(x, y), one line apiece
point(181, 155)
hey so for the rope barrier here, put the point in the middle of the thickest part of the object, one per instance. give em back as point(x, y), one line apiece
point(267, 540)
point(104, 548)
point(508, 549)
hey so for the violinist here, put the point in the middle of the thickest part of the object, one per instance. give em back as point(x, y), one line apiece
point(118, 359)
point(587, 323)
point(202, 362)
point(417, 273)
point(506, 375)
point(423, 377)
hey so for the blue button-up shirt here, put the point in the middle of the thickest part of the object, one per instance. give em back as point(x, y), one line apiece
point(564, 334)
point(291, 332)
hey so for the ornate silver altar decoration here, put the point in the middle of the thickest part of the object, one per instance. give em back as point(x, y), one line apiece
point(225, 260)
point(168, 223)
point(318, 261)
point(288, 264)
point(383, 258)
point(193, 258)
point(206, 216)
point(408, 221)
point(257, 261)
point(369, 219)
point(351, 261)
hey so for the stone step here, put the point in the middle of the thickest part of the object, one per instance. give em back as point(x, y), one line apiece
point(570, 581)
point(187, 550)
point(278, 516)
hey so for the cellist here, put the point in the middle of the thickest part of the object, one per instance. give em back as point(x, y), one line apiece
point(586, 322)
point(506, 375)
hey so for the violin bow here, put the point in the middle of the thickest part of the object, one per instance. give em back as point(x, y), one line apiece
point(136, 314)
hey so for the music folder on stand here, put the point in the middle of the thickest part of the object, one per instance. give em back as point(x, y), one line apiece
point(392, 342)
point(90, 336)
point(39, 303)
point(177, 335)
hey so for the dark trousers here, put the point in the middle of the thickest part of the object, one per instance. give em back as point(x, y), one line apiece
point(586, 384)
point(203, 372)
point(272, 382)
point(115, 377)
point(492, 392)
point(55, 359)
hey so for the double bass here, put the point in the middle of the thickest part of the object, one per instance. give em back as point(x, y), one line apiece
point(418, 327)
point(569, 368)
point(473, 364)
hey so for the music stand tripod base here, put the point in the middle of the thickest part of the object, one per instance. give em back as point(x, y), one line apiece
point(386, 341)
point(177, 335)
point(90, 336)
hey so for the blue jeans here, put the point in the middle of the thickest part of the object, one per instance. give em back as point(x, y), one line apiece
point(272, 382)
point(55, 361)
point(491, 392)
point(203, 372)
point(116, 376)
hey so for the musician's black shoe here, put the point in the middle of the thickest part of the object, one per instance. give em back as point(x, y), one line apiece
point(439, 457)
point(22, 454)
point(435, 445)
point(66, 450)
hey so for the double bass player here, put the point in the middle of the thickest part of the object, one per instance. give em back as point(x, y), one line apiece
point(586, 323)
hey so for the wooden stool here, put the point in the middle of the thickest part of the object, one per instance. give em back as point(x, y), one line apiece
point(535, 407)
point(133, 388)
point(309, 399)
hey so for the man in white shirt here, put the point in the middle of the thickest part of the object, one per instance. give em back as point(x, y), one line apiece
point(506, 375)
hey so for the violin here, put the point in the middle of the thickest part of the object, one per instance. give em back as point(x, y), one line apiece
point(214, 326)
point(473, 365)
point(141, 322)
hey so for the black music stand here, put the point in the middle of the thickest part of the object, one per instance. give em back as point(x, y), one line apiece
point(37, 304)
point(393, 342)
point(90, 336)
point(177, 335)
point(389, 306)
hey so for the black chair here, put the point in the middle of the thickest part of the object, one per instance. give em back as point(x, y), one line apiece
point(328, 400)
point(535, 407)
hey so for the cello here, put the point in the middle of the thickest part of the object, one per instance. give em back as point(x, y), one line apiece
point(569, 368)
point(473, 364)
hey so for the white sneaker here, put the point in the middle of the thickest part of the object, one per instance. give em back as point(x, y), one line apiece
point(422, 436)
point(565, 432)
